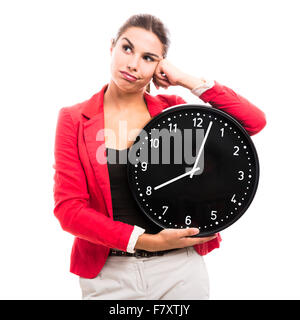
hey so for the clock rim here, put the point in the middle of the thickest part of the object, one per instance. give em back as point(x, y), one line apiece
point(218, 112)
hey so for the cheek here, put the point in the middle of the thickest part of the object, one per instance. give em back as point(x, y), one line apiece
point(115, 61)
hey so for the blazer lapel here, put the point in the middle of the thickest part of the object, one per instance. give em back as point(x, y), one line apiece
point(93, 131)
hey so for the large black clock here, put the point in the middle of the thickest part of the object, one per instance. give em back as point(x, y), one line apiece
point(193, 166)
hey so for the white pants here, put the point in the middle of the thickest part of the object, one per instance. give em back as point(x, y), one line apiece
point(177, 275)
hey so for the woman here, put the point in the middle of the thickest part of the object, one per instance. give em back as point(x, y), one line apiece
point(92, 200)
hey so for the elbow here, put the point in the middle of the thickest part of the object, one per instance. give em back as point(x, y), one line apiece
point(260, 123)
point(65, 213)
point(61, 213)
point(263, 123)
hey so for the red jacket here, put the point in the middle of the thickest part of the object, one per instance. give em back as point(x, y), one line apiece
point(82, 194)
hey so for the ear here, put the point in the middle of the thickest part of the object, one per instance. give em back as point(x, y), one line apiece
point(112, 45)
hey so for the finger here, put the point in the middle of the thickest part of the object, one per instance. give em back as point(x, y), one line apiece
point(159, 83)
point(161, 76)
point(205, 239)
point(159, 72)
point(162, 82)
point(155, 83)
point(156, 86)
point(188, 232)
point(195, 231)
point(194, 241)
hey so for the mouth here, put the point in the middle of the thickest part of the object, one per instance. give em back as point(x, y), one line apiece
point(129, 76)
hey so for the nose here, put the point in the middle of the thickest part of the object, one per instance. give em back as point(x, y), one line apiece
point(133, 63)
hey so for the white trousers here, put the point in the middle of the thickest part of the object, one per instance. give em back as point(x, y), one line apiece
point(177, 275)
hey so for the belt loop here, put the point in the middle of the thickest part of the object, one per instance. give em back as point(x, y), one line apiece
point(188, 251)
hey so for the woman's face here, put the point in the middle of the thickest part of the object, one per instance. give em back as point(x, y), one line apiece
point(134, 59)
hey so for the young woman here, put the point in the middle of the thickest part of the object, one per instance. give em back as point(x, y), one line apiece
point(117, 253)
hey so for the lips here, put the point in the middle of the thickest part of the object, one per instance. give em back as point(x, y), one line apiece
point(128, 76)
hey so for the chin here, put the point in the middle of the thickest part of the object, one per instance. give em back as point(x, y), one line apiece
point(128, 87)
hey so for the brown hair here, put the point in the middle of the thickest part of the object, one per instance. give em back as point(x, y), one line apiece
point(149, 23)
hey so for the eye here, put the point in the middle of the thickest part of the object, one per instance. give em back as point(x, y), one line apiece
point(125, 47)
point(148, 58)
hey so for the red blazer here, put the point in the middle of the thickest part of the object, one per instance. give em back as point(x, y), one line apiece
point(82, 194)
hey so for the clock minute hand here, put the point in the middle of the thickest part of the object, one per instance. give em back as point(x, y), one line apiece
point(201, 149)
point(174, 179)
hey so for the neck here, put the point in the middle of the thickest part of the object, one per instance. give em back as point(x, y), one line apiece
point(122, 100)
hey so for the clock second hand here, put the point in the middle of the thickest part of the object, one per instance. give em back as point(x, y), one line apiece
point(176, 178)
point(201, 149)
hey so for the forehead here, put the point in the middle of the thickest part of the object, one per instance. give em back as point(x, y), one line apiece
point(143, 40)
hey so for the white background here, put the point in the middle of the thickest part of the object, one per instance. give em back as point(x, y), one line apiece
point(56, 53)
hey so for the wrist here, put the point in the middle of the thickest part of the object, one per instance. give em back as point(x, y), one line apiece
point(196, 85)
point(146, 242)
point(190, 82)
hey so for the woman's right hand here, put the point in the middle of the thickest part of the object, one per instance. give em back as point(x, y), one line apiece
point(170, 239)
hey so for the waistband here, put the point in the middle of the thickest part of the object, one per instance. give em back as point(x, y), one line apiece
point(139, 253)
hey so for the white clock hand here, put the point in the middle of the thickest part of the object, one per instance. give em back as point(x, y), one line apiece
point(201, 149)
point(176, 178)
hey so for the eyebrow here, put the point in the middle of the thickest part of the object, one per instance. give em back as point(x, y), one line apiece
point(149, 53)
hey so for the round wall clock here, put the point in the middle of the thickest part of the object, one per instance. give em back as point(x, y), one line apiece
point(193, 166)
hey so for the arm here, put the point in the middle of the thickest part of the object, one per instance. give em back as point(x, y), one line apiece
point(171, 239)
point(71, 195)
point(225, 99)
point(78, 218)
point(219, 96)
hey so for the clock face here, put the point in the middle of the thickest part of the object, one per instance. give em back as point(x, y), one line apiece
point(193, 166)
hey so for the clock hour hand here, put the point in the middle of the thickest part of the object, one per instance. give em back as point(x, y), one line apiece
point(176, 178)
point(201, 149)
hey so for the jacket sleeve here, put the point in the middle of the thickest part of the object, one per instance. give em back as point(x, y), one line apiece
point(225, 99)
point(71, 195)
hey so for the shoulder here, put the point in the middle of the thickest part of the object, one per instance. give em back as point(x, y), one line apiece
point(72, 110)
point(84, 110)
point(78, 108)
point(69, 118)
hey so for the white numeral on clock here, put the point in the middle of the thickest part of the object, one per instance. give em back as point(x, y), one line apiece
point(154, 143)
point(173, 126)
point(213, 215)
point(237, 149)
point(199, 123)
point(233, 199)
point(241, 177)
point(188, 220)
point(148, 191)
point(144, 166)
point(165, 209)
point(222, 132)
